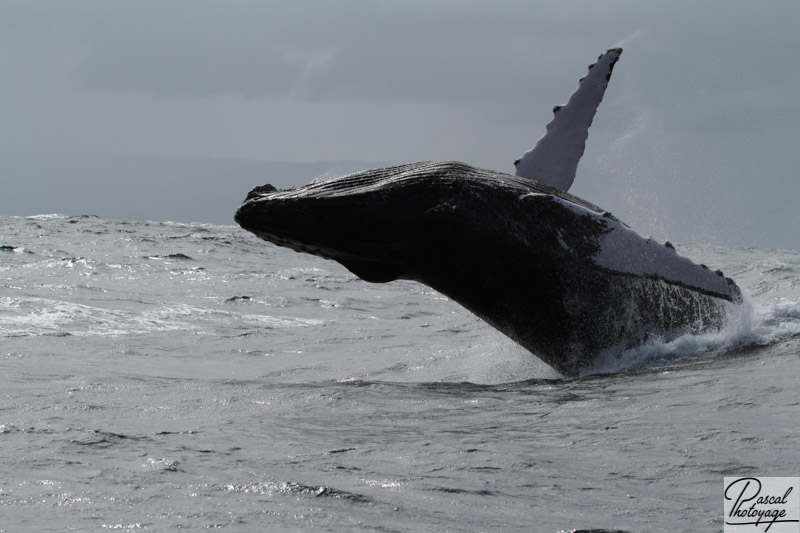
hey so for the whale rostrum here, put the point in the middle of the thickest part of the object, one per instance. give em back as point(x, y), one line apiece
point(560, 276)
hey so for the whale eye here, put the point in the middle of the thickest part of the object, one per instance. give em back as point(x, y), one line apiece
point(372, 271)
point(437, 219)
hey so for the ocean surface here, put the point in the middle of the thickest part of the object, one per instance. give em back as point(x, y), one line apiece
point(164, 376)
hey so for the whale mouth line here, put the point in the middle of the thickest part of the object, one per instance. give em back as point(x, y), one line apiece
point(360, 257)
point(310, 242)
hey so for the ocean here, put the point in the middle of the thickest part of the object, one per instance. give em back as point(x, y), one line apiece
point(164, 376)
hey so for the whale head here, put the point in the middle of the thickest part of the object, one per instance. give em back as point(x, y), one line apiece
point(402, 222)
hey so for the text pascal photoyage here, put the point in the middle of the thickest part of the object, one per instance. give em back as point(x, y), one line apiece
point(762, 504)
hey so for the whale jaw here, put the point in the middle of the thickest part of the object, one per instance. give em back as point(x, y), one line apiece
point(358, 220)
point(290, 223)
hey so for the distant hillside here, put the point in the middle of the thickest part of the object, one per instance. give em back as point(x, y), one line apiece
point(149, 187)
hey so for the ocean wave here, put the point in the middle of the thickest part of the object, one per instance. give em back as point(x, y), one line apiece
point(32, 317)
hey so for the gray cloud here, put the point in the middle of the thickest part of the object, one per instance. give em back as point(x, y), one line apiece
point(698, 126)
point(323, 50)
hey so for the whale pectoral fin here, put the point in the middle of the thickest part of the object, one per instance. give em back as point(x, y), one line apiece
point(554, 159)
point(371, 271)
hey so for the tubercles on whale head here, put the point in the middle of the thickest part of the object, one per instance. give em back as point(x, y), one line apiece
point(261, 189)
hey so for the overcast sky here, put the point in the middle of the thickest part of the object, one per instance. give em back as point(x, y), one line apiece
point(696, 140)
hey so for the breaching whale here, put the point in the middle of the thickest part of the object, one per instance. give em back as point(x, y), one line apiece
point(560, 276)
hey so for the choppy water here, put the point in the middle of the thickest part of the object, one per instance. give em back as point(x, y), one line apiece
point(164, 376)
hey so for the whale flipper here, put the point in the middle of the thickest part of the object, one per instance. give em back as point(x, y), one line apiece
point(554, 159)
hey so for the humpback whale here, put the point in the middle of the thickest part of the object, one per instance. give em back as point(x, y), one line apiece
point(560, 276)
